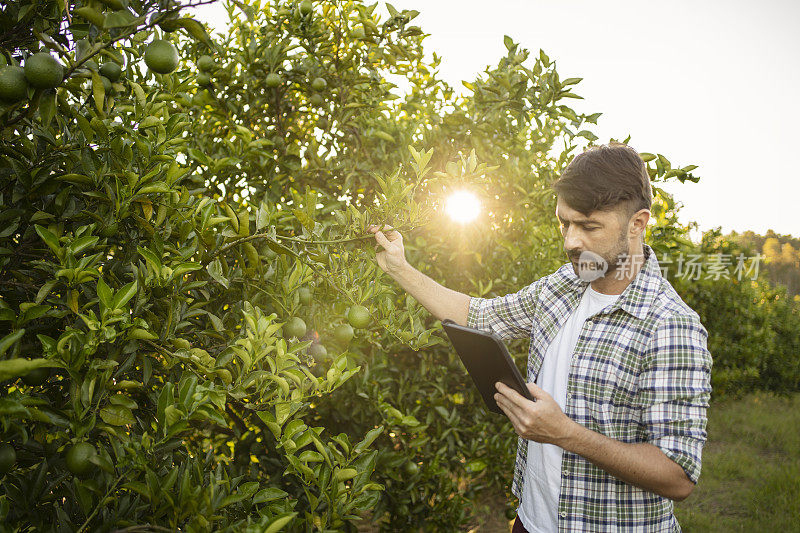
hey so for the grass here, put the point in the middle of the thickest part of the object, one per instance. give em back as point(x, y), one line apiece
point(750, 480)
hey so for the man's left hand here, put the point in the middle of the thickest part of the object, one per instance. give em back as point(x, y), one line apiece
point(540, 421)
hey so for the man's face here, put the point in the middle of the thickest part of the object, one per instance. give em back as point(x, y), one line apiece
point(596, 245)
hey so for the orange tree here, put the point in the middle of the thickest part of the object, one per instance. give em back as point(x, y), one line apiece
point(194, 332)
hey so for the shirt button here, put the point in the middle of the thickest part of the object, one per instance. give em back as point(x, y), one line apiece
point(563, 514)
point(569, 396)
point(566, 472)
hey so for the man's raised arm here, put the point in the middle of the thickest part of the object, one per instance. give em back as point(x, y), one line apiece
point(440, 301)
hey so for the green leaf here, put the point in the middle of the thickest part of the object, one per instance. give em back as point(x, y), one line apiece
point(368, 439)
point(269, 494)
point(49, 238)
point(345, 474)
point(118, 19)
point(195, 29)
point(157, 186)
point(279, 522)
point(47, 107)
point(243, 492)
point(215, 271)
point(98, 91)
point(104, 293)
point(11, 368)
point(44, 290)
point(570, 81)
point(124, 294)
point(123, 400)
point(9, 340)
point(90, 14)
point(304, 219)
point(150, 257)
point(82, 243)
point(117, 415)
point(310, 456)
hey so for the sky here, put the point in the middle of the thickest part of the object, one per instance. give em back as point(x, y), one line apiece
point(705, 82)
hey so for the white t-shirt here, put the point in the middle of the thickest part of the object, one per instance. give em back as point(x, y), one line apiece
point(538, 510)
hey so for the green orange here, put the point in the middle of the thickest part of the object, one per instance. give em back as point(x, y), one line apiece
point(273, 80)
point(343, 333)
point(358, 316)
point(161, 56)
point(294, 327)
point(205, 63)
point(318, 351)
point(43, 71)
point(8, 456)
point(13, 84)
point(319, 84)
point(111, 70)
point(79, 458)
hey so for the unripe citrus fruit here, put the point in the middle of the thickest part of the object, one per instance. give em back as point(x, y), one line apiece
point(203, 79)
point(343, 333)
point(8, 456)
point(318, 351)
point(411, 468)
point(319, 84)
point(111, 70)
point(294, 327)
point(305, 295)
point(273, 80)
point(13, 84)
point(205, 63)
point(43, 71)
point(79, 457)
point(511, 513)
point(316, 100)
point(358, 316)
point(37, 376)
point(306, 7)
point(161, 56)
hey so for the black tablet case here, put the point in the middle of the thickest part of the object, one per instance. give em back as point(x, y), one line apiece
point(487, 361)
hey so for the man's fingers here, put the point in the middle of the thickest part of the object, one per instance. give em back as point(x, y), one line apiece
point(536, 391)
point(385, 227)
point(381, 238)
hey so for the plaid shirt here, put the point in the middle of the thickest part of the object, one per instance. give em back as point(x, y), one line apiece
point(640, 373)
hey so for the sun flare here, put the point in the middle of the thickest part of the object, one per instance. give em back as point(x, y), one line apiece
point(463, 206)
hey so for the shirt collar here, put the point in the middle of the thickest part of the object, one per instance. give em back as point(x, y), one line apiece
point(637, 296)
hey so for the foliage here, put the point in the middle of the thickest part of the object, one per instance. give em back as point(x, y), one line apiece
point(159, 230)
point(752, 324)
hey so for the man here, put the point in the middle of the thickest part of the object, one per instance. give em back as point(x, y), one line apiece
point(618, 363)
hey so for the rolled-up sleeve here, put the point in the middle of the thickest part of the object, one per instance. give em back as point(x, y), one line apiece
point(675, 387)
point(509, 316)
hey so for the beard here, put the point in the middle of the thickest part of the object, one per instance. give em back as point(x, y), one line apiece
point(589, 265)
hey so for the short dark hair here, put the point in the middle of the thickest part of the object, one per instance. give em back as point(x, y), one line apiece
point(603, 177)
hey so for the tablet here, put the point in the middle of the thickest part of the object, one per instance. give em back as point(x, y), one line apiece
point(487, 361)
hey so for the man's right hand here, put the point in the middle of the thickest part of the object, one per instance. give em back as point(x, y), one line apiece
point(392, 259)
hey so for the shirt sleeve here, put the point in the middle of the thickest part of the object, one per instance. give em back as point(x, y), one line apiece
point(508, 317)
point(675, 387)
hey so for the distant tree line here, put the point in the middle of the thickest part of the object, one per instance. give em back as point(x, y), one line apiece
point(781, 256)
